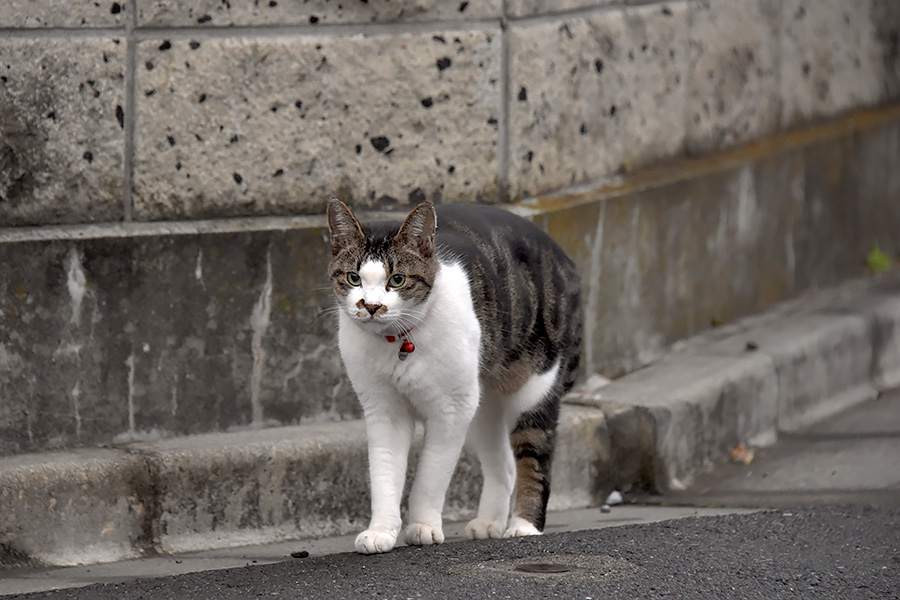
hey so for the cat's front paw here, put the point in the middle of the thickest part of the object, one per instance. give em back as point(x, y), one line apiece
point(519, 527)
point(419, 534)
point(481, 529)
point(374, 541)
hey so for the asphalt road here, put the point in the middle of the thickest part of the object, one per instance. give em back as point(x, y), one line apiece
point(826, 552)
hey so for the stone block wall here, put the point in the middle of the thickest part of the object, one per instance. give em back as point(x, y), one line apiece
point(164, 165)
point(170, 110)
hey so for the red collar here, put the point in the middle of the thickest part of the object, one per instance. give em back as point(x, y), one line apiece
point(406, 348)
point(393, 338)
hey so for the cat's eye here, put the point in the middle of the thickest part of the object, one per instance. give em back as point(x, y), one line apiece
point(397, 281)
point(354, 279)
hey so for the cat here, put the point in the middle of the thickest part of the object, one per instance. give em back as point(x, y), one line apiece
point(467, 318)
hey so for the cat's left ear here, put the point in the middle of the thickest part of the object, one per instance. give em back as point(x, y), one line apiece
point(343, 227)
point(418, 230)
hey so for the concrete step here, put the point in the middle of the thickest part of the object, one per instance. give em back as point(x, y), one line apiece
point(654, 429)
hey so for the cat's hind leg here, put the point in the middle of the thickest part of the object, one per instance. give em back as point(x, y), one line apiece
point(533, 439)
point(489, 438)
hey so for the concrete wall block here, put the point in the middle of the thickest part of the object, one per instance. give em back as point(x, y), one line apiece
point(379, 120)
point(77, 507)
point(885, 15)
point(596, 94)
point(36, 14)
point(877, 152)
point(701, 408)
point(213, 13)
point(646, 284)
point(829, 238)
point(62, 142)
point(258, 487)
point(830, 59)
point(526, 8)
point(732, 83)
point(119, 338)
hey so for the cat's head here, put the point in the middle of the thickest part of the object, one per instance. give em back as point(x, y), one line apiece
point(381, 274)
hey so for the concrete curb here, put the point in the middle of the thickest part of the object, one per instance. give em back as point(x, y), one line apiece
point(762, 376)
point(654, 429)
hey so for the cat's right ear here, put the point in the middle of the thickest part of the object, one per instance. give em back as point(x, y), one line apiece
point(418, 230)
point(343, 227)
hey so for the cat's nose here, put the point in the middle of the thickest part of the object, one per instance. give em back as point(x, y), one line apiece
point(372, 308)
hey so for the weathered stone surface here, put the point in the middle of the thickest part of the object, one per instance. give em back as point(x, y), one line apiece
point(380, 121)
point(886, 319)
point(733, 87)
point(880, 306)
point(35, 14)
point(183, 329)
point(700, 408)
point(62, 142)
point(823, 359)
point(877, 154)
point(525, 8)
point(595, 95)
point(885, 15)
point(122, 338)
point(217, 491)
point(667, 261)
point(830, 59)
point(830, 232)
point(213, 13)
point(253, 487)
point(583, 470)
point(74, 507)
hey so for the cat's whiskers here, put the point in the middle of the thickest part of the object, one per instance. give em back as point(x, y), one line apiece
point(406, 321)
point(325, 312)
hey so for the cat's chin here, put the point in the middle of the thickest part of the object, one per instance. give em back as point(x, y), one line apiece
point(377, 326)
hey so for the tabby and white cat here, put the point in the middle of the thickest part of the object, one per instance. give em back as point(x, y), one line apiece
point(467, 318)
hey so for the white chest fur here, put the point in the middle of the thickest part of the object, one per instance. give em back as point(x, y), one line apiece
point(440, 370)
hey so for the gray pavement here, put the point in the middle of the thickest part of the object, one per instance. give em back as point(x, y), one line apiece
point(841, 553)
point(21, 581)
point(853, 457)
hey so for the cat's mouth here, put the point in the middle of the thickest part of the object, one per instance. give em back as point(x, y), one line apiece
point(378, 323)
point(368, 318)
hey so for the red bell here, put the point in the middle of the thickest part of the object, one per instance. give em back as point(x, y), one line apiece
point(405, 349)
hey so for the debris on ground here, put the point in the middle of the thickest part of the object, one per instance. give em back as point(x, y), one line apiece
point(742, 454)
